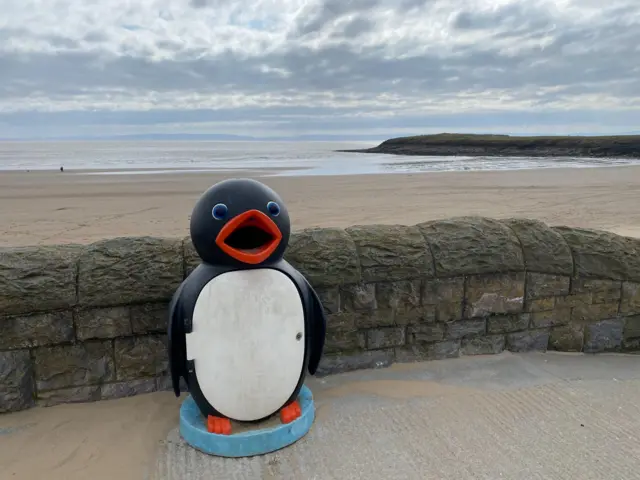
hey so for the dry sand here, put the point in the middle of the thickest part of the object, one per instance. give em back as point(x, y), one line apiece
point(41, 208)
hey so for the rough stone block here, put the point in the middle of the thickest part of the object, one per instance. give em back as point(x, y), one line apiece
point(73, 365)
point(443, 290)
point(601, 254)
point(630, 302)
point(402, 302)
point(465, 328)
point(128, 389)
point(533, 340)
point(36, 330)
point(583, 314)
point(472, 245)
point(391, 252)
point(552, 318)
point(602, 291)
point(508, 323)
point(448, 312)
point(338, 342)
point(567, 338)
point(428, 333)
point(140, 357)
point(325, 256)
point(632, 328)
point(107, 322)
point(546, 285)
point(330, 299)
point(150, 318)
point(544, 249)
point(385, 337)
point(373, 319)
point(341, 322)
point(69, 395)
point(539, 304)
point(580, 300)
point(494, 294)
point(446, 295)
point(129, 270)
point(16, 381)
point(38, 279)
point(631, 345)
point(603, 336)
point(358, 298)
point(330, 364)
point(491, 344)
point(431, 351)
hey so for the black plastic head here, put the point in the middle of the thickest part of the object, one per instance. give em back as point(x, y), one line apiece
point(240, 222)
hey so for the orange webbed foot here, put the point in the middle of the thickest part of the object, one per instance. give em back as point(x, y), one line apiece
point(291, 412)
point(221, 426)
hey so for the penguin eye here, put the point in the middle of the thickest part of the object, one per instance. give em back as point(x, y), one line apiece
point(219, 211)
point(274, 208)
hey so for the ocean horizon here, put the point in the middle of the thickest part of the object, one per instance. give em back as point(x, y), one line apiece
point(283, 158)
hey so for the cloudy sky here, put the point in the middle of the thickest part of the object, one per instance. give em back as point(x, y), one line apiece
point(299, 67)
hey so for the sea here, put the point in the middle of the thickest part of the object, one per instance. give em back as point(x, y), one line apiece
point(294, 158)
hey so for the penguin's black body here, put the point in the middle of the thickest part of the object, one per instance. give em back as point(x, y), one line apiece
point(240, 229)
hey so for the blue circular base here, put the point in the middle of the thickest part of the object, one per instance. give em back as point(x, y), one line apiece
point(246, 444)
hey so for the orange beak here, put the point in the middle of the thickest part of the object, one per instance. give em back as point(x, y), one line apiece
point(250, 237)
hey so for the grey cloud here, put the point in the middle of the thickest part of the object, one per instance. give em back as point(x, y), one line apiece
point(60, 41)
point(570, 58)
point(9, 32)
point(211, 3)
point(318, 16)
point(356, 27)
point(298, 120)
point(199, 3)
point(314, 116)
point(412, 4)
point(336, 68)
point(512, 14)
point(95, 37)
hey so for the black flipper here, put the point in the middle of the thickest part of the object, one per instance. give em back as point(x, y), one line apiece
point(176, 340)
point(318, 329)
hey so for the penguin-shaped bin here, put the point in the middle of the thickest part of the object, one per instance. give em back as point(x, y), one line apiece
point(245, 325)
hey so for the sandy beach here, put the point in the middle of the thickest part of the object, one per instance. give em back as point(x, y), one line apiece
point(54, 207)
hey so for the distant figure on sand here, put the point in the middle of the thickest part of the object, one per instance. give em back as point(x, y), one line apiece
point(62, 169)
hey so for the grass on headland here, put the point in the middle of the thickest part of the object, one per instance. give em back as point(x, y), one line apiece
point(498, 140)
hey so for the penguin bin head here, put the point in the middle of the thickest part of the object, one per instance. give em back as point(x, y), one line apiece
point(240, 222)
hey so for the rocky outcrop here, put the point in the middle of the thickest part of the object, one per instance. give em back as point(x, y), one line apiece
point(623, 146)
point(83, 323)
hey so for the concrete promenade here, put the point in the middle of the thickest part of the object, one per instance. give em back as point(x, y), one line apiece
point(508, 416)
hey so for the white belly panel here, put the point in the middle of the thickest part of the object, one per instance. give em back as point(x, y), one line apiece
point(244, 344)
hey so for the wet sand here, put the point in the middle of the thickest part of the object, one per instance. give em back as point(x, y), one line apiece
point(54, 207)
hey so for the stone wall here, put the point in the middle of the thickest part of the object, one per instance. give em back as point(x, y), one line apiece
point(88, 322)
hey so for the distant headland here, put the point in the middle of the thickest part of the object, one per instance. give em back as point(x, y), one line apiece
point(451, 144)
